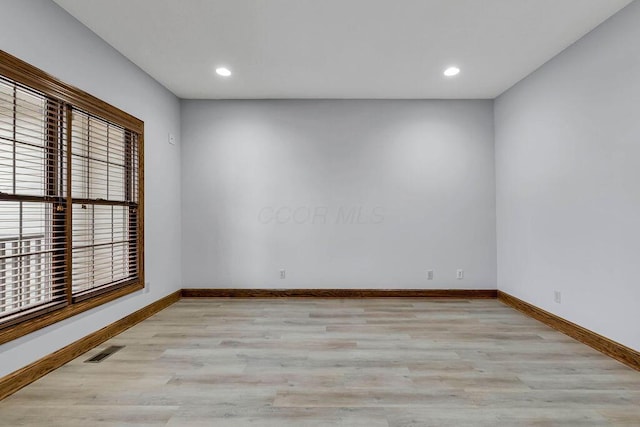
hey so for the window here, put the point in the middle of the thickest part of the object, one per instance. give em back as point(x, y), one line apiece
point(104, 219)
point(71, 229)
point(31, 265)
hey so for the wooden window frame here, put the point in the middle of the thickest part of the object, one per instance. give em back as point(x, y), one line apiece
point(34, 78)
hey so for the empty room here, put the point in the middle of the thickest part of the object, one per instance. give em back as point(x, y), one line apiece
point(319, 213)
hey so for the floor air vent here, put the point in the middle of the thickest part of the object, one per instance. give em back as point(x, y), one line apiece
point(104, 354)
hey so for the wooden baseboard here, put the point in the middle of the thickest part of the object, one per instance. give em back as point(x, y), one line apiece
point(30, 373)
point(339, 293)
point(613, 349)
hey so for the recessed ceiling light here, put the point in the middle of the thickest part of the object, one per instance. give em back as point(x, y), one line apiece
point(224, 72)
point(452, 71)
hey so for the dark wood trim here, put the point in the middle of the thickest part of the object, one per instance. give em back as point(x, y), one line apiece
point(339, 293)
point(96, 292)
point(32, 325)
point(140, 208)
point(28, 75)
point(68, 225)
point(102, 202)
point(66, 98)
point(23, 316)
point(613, 349)
point(30, 373)
point(28, 198)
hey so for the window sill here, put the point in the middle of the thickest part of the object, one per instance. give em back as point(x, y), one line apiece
point(31, 325)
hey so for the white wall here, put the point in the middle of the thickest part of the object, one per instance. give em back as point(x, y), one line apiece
point(568, 182)
point(41, 33)
point(419, 173)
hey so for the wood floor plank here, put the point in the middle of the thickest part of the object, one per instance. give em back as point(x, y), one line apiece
point(335, 362)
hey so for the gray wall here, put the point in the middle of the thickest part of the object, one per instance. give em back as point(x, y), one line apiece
point(341, 194)
point(373, 193)
point(41, 33)
point(568, 182)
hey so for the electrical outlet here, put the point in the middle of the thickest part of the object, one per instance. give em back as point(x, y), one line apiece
point(429, 274)
point(283, 274)
point(172, 139)
point(460, 274)
point(557, 297)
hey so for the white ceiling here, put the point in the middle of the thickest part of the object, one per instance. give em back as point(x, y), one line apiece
point(340, 48)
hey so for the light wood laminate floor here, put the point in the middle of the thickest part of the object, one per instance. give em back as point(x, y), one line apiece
point(353, 362)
